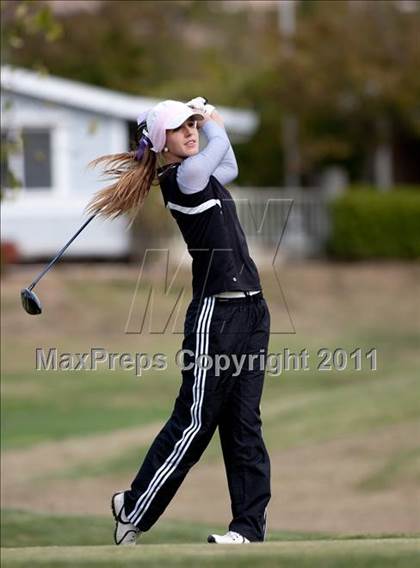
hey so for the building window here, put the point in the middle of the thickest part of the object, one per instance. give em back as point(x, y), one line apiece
point(36, 158)
point(27, 155)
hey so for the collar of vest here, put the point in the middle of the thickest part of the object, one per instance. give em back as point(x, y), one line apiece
point(166, 167)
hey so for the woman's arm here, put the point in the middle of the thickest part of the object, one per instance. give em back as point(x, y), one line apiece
point(227, 170)
point(194, 173)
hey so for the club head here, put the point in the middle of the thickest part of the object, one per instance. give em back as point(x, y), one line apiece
point(30, 302)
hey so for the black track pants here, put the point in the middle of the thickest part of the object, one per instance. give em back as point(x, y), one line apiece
point(211, 398)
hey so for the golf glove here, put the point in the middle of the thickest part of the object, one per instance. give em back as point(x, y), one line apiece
point(199, 103)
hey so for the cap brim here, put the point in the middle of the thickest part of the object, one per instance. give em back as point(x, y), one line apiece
point(176, 121)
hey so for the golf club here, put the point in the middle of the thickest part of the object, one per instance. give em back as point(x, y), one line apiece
point(30, 301)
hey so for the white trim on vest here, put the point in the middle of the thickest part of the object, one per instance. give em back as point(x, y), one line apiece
point(197, 209)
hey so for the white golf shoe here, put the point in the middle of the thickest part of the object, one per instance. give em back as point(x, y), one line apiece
point(125, 533)
point(231, 537)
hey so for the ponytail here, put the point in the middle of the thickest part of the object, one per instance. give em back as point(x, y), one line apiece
point(134, 173)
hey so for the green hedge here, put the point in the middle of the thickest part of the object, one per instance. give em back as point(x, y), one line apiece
point(369, 224)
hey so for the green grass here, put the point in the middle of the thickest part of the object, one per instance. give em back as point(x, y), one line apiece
point(346, 410)
point(123, 463)
point(401, 466)
point(39, 406)
point(45, 540)
point(303, 422)
point(398, 553)
point(55, 405)
point(22, 529)
point(298, 408)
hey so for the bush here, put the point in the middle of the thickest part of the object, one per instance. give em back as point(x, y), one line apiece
point(370, 224)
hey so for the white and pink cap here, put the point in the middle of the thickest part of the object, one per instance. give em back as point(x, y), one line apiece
point(164, 116)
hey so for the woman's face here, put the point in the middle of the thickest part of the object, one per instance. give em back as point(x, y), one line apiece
point(182, 142)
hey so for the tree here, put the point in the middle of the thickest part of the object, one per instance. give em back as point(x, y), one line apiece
point(22, 22)
point(350, 79)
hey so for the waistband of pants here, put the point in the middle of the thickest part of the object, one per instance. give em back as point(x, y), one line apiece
point(234, 297)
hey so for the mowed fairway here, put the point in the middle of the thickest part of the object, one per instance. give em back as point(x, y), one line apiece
point(344, 445)
point(372, 553)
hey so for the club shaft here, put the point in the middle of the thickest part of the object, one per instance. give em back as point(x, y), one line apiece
point(60, 253)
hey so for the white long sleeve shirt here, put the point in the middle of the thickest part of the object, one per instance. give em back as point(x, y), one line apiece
point(217, 159)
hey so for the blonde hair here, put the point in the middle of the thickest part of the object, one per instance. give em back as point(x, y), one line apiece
point(133, 180)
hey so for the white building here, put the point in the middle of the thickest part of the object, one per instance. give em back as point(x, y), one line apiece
point(62, 125)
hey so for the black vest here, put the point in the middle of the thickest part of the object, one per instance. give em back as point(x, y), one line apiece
point(211, 229)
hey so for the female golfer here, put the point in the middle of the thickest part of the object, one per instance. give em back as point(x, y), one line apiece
point(227, 316)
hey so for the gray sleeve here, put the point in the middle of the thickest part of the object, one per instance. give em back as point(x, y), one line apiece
point(217, 159)
point(227, 170)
